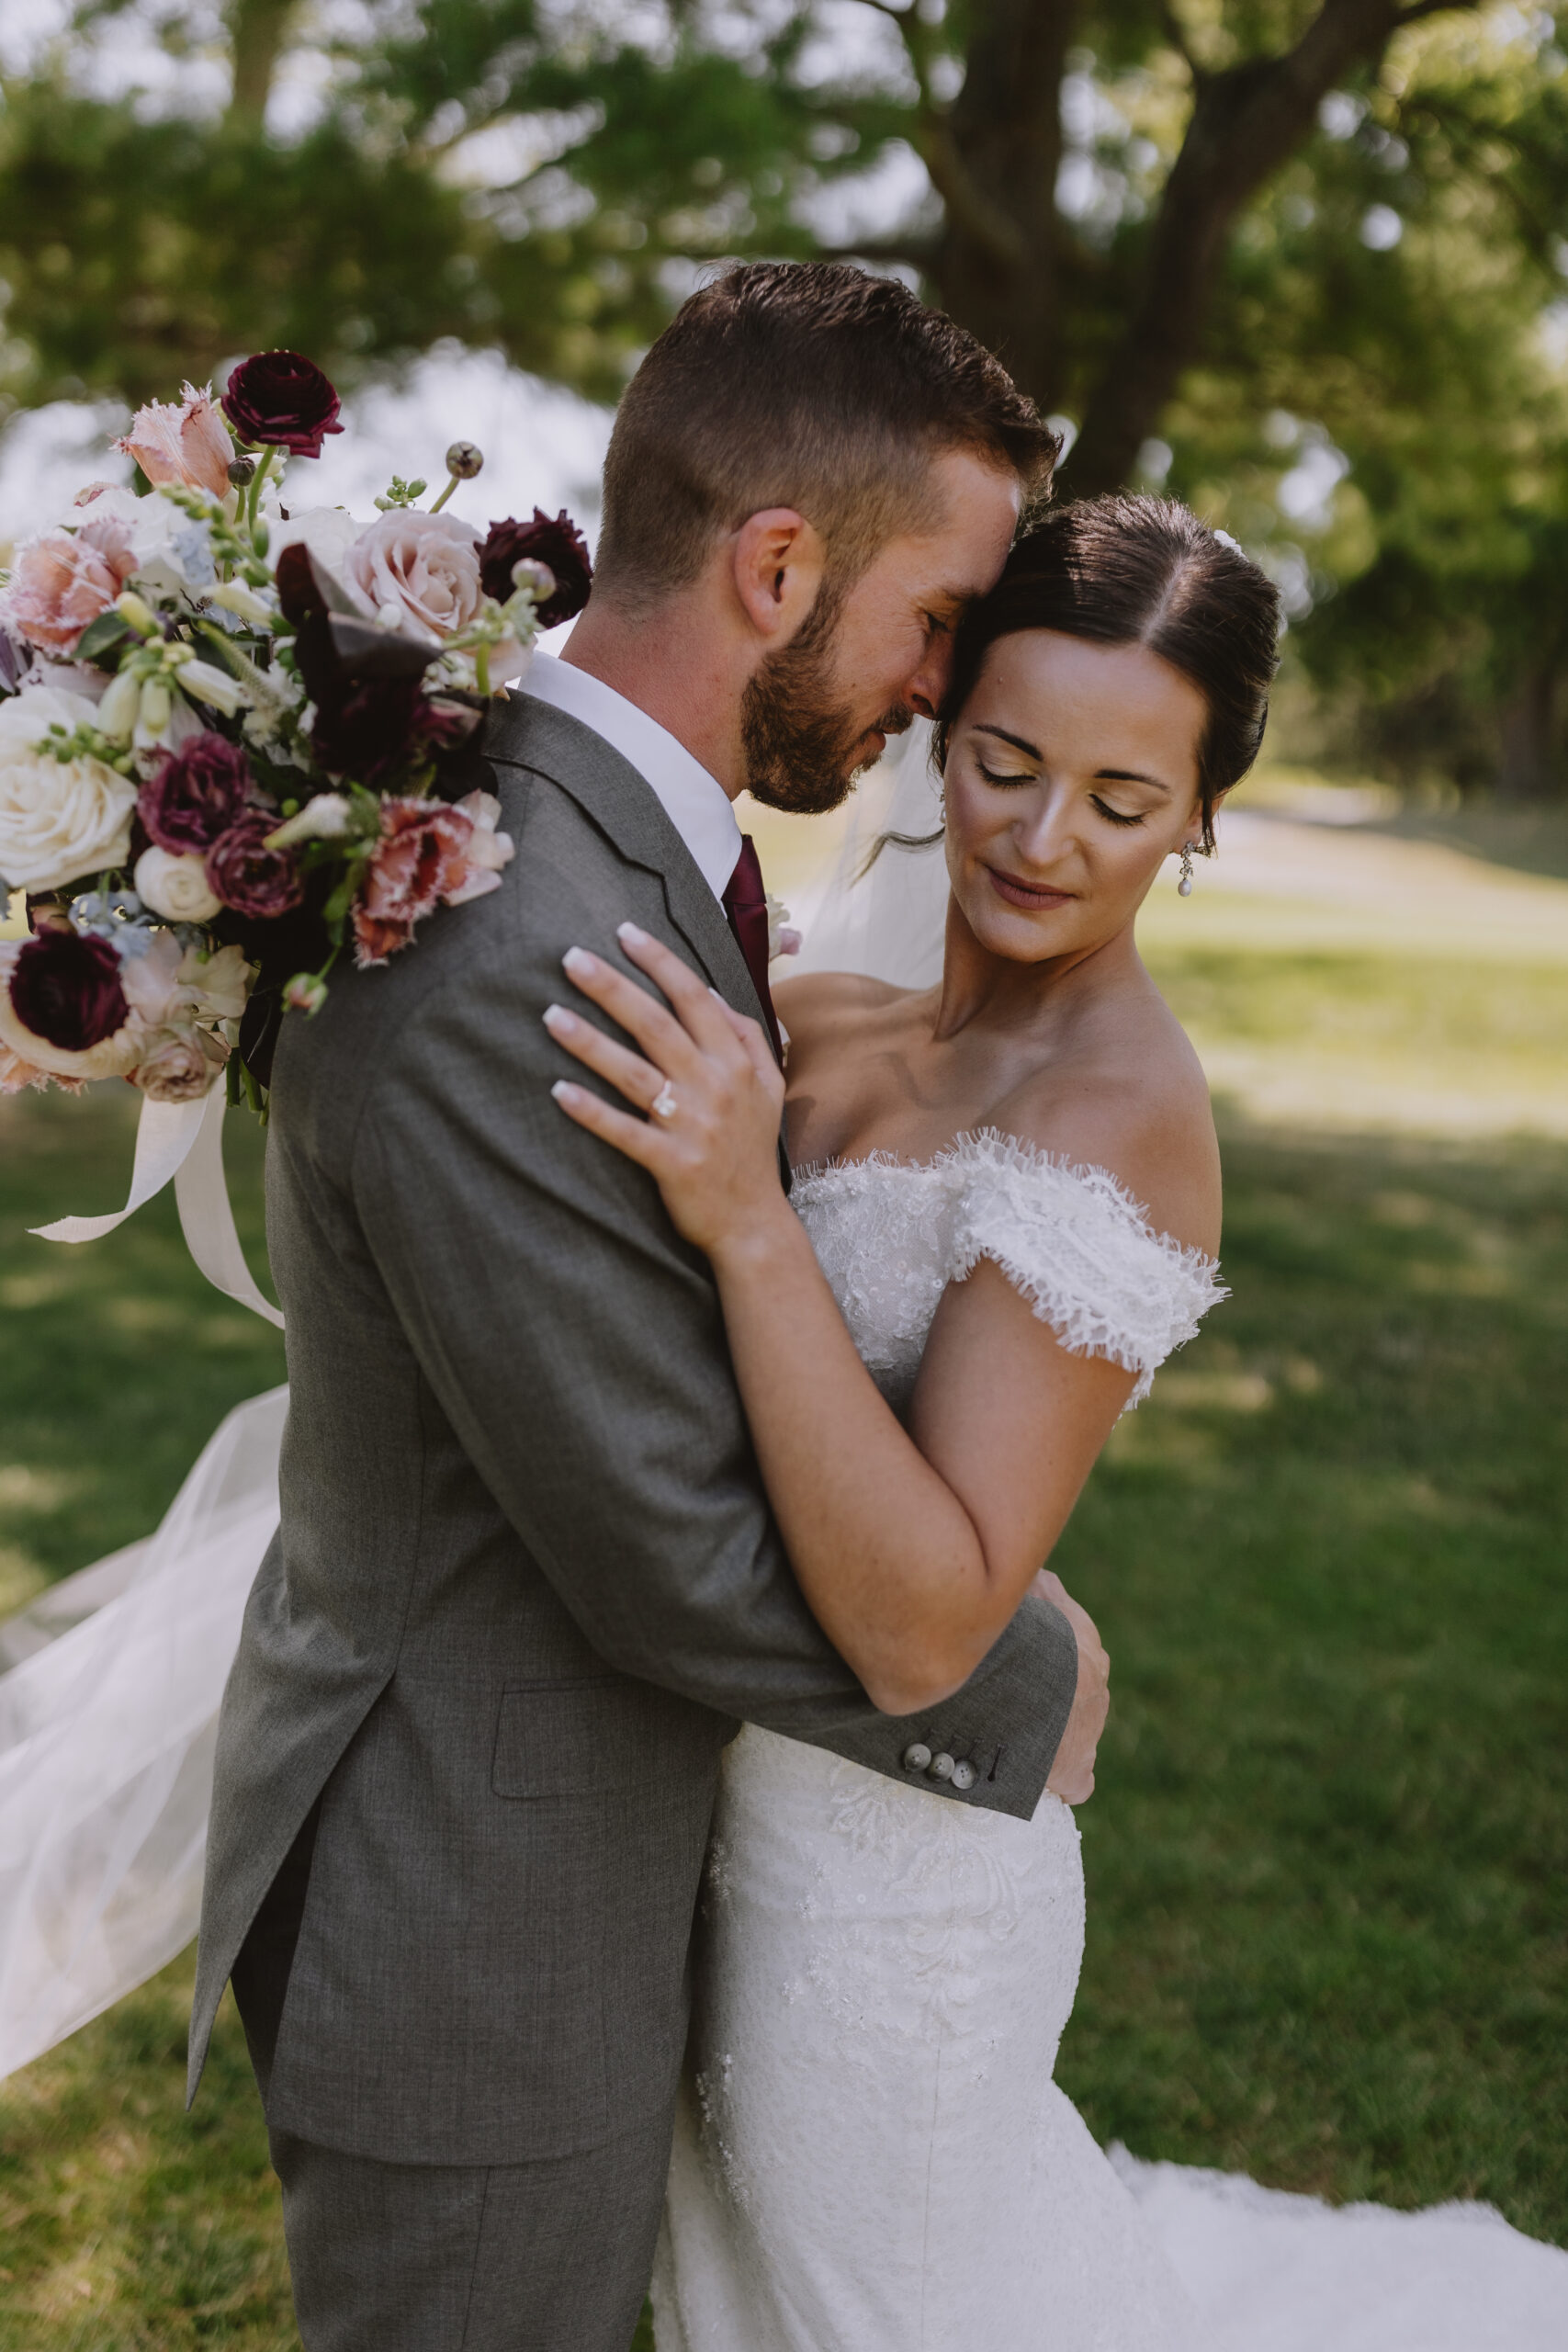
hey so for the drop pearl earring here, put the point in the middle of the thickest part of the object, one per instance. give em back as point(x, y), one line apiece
point(1184, 887)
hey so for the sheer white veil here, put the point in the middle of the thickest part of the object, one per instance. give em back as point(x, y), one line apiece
point(109, 1687)
point(888, 923)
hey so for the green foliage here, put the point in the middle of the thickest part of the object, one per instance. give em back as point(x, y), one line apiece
point(550, 183)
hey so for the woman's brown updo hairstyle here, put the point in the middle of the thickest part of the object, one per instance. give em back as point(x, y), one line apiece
point(1122, 571)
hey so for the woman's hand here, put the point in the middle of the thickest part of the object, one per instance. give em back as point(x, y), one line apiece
point(705, 1080)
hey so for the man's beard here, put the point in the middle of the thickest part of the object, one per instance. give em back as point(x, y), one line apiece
point(800, 744)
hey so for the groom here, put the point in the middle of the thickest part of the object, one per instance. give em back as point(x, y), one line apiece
point(527, 1582)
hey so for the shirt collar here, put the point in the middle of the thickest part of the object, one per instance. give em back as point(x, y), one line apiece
point(694, 801)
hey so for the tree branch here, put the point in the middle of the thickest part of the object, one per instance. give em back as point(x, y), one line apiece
point(1245, 122)
point(257, 31)
point(966, 202)
point(1175, 38)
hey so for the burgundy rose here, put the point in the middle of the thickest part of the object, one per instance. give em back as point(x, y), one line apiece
point(421, 856)
point(247, 875)
point(195, 794)
point(560, 544)
point(281, 398)
point(66, 989)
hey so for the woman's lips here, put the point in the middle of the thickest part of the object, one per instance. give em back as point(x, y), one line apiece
point(1026, 894)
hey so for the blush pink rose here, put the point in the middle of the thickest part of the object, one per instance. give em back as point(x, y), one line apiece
point(178, 1063)
point(190, 444)
point(419, 568)
point(64, 580)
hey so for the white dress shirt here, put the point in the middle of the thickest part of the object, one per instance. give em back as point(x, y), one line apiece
point(696, 802)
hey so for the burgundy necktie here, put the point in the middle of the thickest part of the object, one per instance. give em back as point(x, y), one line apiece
point(746, 904)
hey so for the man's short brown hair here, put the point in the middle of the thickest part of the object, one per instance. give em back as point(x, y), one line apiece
point(803, 384)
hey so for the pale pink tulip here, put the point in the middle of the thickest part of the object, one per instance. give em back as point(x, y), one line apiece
point(190, 444)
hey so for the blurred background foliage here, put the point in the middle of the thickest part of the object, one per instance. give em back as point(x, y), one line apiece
point(1303, 262)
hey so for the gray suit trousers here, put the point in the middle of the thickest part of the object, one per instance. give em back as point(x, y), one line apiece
point(403, 2257)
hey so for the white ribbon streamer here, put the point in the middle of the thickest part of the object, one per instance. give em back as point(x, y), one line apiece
point(183, 1142)
point(207, 1215)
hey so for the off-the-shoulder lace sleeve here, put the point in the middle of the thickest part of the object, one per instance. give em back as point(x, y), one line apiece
point(1082, 1251)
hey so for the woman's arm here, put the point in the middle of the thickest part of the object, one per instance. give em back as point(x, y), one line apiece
point(913, 1548)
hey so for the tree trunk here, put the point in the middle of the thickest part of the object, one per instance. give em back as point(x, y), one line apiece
point(1529, 769)
point(257, 29)
point(996, 266)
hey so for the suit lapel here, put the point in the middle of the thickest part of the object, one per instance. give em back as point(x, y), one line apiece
point(522, 732)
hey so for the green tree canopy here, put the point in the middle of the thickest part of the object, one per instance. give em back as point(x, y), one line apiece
point(1300, 259)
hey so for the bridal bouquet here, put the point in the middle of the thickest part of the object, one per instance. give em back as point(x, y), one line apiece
point(222, 728)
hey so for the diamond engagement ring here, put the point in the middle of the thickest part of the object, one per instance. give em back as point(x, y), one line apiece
point(663, 1104)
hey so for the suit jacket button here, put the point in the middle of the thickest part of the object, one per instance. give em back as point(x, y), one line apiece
point(962, 1775)
point(941, 1766)
point(917, 1756)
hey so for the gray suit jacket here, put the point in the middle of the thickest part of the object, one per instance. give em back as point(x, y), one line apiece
point(526, 1582)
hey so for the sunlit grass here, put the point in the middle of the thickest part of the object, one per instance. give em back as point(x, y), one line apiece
point(1329, 1858)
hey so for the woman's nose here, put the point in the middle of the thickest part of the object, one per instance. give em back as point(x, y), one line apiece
point(1046, 835)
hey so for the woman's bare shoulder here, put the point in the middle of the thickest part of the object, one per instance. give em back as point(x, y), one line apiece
point(1138, 1105)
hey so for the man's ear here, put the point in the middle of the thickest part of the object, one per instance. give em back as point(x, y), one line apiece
point(777, 560)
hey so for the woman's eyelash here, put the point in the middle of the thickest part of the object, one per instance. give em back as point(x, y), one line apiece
point(1114, 815)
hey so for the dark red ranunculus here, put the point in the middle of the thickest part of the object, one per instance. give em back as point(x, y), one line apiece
point(560, 544)
point(66, 989)
point(380, 729)
point(247, 875)
point(374, 720)
point(195, 794)
point(282, 398)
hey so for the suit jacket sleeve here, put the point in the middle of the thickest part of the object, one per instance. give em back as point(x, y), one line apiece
point(577, 1346)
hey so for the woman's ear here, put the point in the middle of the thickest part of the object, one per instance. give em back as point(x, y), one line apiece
point(777, 562)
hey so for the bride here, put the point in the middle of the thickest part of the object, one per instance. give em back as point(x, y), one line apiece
point(1009, 1217)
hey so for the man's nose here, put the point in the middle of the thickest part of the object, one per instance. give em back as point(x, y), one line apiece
point(927, 690)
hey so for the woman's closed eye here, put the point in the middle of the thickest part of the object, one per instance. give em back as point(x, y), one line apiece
point(1116, 816)
point(1014, 776)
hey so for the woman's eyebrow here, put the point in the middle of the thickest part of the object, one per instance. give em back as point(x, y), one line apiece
point(1129, 775)
point(1018, 741)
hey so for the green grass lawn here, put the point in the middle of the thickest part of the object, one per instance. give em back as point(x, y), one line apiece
point(1328, 1856)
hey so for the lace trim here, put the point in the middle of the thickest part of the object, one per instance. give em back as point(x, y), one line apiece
point(1070, 1237)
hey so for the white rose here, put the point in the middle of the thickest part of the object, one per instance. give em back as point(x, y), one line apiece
point(175, 887)
point(59, 818)
point(425, 568)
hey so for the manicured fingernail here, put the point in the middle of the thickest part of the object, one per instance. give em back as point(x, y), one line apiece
point(555, 1016)
point(577, 959)
point(563, 1090)
point(630, 936)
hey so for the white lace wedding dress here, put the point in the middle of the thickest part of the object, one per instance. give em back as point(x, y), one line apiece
point(870, 2152)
